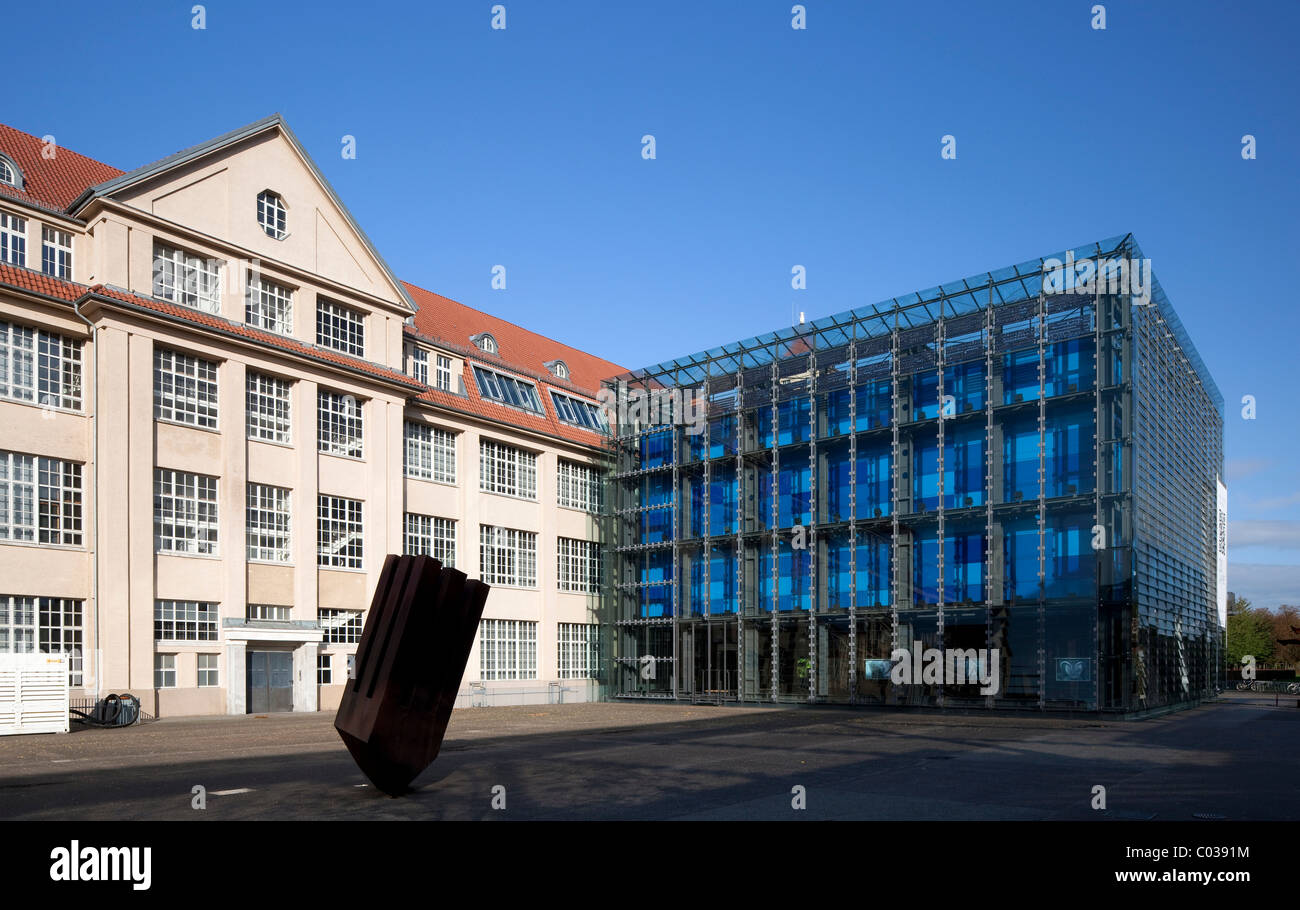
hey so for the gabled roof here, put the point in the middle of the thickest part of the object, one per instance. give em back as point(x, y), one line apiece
point(185, 156)
point(49, 182)
point(450, 322)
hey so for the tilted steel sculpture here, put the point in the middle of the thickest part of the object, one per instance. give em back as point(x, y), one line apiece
point(409, 663)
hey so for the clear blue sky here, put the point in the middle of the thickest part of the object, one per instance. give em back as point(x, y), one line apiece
point(775, 147)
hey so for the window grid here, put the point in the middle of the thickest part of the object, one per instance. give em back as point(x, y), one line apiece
point(164, 671)
point(56, 253)
point(507, 470)
point(339, 540)
point(184, 389)
point(341, 627)
point(186, 279)
point(428, 535)
point(340, 328)
point(338, 424)
point(578, 486)
point(271, 214)
point(13, 239)
point(185, 512)
point(578, 565)
point(579, 650)
point(184, 620)
point(507, 557)
point(39, 367)
point(324, 669)
point(507, 649)
point(50, 625)
point(268, 305)
point(208, 675)
point(508, 390)
point(269, 612)
point(268, 408)
point(40, 499)
point(579, 413)
point(268, 523)
point(418, 364)
point(430, 452)
point(444, 373)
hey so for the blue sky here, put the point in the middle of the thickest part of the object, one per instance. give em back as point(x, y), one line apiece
point(775, 147)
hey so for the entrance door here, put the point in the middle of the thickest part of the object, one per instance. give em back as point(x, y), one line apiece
point(270, 681)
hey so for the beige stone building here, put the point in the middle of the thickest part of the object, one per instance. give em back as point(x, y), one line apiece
point(219, 410)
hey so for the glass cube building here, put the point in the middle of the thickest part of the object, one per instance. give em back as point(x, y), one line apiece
point(1024, 462)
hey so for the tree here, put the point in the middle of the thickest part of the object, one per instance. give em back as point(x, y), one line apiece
point(1286, 628)
point(1237, 604)
point(1250, 632)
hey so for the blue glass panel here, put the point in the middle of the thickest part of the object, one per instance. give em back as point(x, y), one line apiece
point(1070, 366)
point(1070, 563)
point(1020, 459)
point(1020, 549)
point(965, 382)
point(873, 481)
point(963, 566)
point(1020, 376)
point(925, 474)
point(925, 395)
point(963, 466)
point(1069, 450)
point(873, 570)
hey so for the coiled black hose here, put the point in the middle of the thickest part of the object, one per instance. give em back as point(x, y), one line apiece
point(111, 711)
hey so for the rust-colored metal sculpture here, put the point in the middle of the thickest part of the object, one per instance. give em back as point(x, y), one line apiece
point(409, 663)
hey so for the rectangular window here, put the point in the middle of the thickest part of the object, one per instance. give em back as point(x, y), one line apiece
point(184, 620)
point(187, 279)
point(184, 512)
point(578, 486)
point(50, 625)
point(268, 523)
point(13, 239)
point(428, 535)
point(56, 253)
point(507, 557)
point(417, 364)
point(341, 627)
point(268, 408)
point(508, 390)
point(507, 649)
point(269, 612)
point(38, 367)
point(268, 305)
point(184, 389)
point(324, 669)
point(338, 424)
point(578, 568)
point(430, 452)
point(579, 650)
point(208, 670)
point(507, 470)
point(444, 373)
point(164, 671)
point(340, 328)
point(338, 527)
point(579, 413)
point(40, 499)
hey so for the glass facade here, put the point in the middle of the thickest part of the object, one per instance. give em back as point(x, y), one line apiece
point(1022, 465)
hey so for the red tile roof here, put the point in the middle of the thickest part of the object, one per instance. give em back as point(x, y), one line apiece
point(52, 182)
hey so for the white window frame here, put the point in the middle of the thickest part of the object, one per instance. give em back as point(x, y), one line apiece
point(269, 524)
point(338, 424)
point(187, 279)
point(429, 453)
point(507, 390)
point(443, 372)
point(340, 328)
point(208, 676)
point(39, 367)
point(185, 621)
point(13, 239)
point(578, 650)
point(417, 363)
point(324, 669)
point(40, 500)
point(578, 565)
point(269, 408)
point(578, 486)
point(507, 470)
point(268, 305)
point(46, 625)
point(164, 671)
point(340, 526)
point(184, 389)
point(185, 519)
point(272, 215)
point(56, 252)
point(430, 535)
point(579, 412)
point(10, 174)
point(507, 557)
point(341, 627)
point(269, 612)
point(507, 649)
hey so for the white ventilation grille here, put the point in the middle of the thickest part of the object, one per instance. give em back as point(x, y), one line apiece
point(33, 693)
